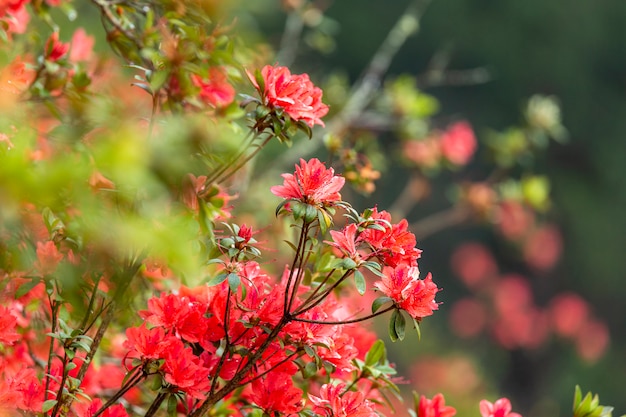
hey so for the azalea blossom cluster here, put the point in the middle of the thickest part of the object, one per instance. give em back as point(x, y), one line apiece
point(455, 145)
point(126, 285)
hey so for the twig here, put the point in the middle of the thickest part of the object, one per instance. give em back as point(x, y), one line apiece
point(291, 38)
point(364, 90)
point(415, 189)
point(104, 7)
point(440, 221)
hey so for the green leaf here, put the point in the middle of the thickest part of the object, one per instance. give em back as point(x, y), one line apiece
point(298, 209)
point(373, 267)
point(309, 351)
point(25, 288)
point(144, 87)
point(233, 281)
point(280, 206)
point(158, 79)
point(217, 279)
point(379, 302)
point(347, 263)
point(325, 221)
point(400, 325)
point(48, 405)
point(310, 213)
point(305, 128)
point(393, 333)
point(359, 281)
point(309, 370)
point(417, 329)
point(375, 354)
point(578, 396)
point(172, 402)
point(258, 77)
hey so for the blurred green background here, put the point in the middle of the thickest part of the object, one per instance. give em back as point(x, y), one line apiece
point(575, 50)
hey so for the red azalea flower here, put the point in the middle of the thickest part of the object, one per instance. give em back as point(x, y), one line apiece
point(146, 343)
point(48, 257)
point(346, 241)
point(276, 394)
point(88, 410)
point(333, 401)
point(312, 183)
point(82, 46)
point(55, 49)
point(501, 408)
point(8, 322)
point(215, 91)
point(415, 296)
point(178, 313)
point(185, 370)
point(396, 244)
point(435, 407)
point(29, 389)
point(11, 6)
point(458, 143)
point(296, 94)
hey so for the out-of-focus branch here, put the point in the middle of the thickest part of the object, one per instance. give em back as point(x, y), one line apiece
point(365, 89)
point(113, 20)
point(439, 221)
point(415, 189)
point(472, 76)
point(437, 74)
point(291, 38)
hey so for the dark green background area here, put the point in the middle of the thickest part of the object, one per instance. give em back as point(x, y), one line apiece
point(575, 50)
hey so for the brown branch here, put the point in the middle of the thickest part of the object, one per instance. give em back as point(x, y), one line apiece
point(440, 221)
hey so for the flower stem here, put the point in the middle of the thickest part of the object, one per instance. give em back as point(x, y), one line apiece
point(357, 320)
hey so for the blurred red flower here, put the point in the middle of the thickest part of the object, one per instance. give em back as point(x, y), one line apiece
point(435, 407)
point(501, 408)
point(215, 91)
point(458, 143)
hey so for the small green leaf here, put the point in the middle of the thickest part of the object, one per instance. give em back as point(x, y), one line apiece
point(347, 263)
point(258, 77)
point(48, 405)
point(359, 281)
point(172, 402)
point(217, 279)
point(233, 281)
point(298, 209)
point(310, 213)
point(25, 288)
point(400, 325)
point(280, 206)
point(417, 329)
point(309, 370)
point(578, 396)
point(379, 302)
point(393, 334)
point(375, 354)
